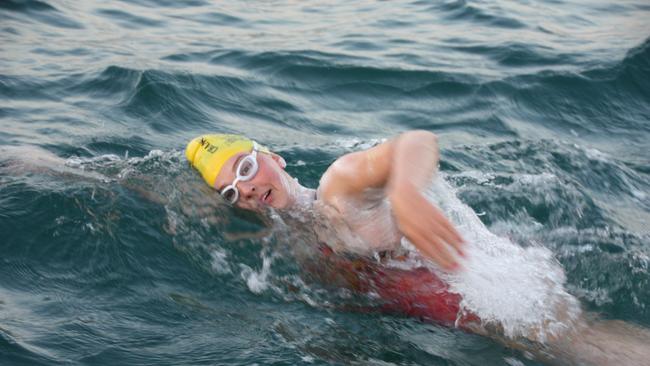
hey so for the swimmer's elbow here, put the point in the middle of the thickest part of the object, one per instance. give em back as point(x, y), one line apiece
point(422, 136)
point(416, 144)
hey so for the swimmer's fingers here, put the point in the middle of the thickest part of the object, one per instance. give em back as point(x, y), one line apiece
point(446, 231)
point(425, 236)
point(440, 236)
point(444, 255)
point(432, 247)
point(426, 227)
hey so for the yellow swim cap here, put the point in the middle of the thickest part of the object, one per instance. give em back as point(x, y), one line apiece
point(208, 153)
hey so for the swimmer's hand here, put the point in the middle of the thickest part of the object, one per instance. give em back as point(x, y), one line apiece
point(425, 226)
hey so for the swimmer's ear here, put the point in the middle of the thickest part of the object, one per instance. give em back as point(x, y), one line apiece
point(279, 159)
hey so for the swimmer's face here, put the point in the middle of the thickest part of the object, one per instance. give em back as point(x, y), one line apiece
point(266, 188)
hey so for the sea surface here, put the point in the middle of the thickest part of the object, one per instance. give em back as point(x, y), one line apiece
point(113, 252)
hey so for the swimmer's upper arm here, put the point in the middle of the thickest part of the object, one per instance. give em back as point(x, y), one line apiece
point(352, 173)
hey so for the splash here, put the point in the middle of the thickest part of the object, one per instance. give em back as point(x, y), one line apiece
point(518, 290)
point(258, 281)
point(116, 167)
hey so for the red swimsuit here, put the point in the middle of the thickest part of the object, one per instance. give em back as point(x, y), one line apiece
point(414, 292)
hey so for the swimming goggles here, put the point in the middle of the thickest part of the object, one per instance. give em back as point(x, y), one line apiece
point(246, 170)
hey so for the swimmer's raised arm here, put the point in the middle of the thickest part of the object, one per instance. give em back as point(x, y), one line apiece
point(403, 167)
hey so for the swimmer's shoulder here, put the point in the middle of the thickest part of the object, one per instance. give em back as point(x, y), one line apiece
point(352, 174)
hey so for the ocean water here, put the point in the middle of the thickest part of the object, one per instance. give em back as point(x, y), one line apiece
point(112, 251)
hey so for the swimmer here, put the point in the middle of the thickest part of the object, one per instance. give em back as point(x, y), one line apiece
point(249, 176)
point(370, 200)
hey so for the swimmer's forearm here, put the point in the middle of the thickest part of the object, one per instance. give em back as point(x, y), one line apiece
point(415, 161)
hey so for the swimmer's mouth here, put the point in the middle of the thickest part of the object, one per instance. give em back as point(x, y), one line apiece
point(266, 198)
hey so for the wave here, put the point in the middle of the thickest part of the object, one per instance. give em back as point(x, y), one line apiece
point(17, 352)
point(129, 20)
point(18, 5)
point(170, 3)
point(213, 18)
point(610, 99)
point(515, 54)
point(477, 13)
point(39, 12)
point(575, 175)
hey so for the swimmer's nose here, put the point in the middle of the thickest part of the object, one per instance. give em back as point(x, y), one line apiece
point(247, 190)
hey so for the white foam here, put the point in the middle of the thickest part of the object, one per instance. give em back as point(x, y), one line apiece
point(220, 262)
point(308, 359)
point(598, 296)
point(535, 179)
point(356, 144)
point(520, 289)
point(479, 176)
point(258, 281)
point(125, 164)
point(595, 154)
point(81, 163)
point(513, 361)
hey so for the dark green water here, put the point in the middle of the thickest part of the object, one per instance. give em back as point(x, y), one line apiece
point(120, 256)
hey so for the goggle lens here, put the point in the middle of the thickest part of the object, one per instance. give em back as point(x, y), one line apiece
point(230, 194)
point(247, 168)
point(246, 171)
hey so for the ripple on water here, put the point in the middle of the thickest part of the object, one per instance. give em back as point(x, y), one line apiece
point(40, 12)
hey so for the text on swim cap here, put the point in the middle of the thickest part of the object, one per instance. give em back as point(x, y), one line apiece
point(208, 146)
